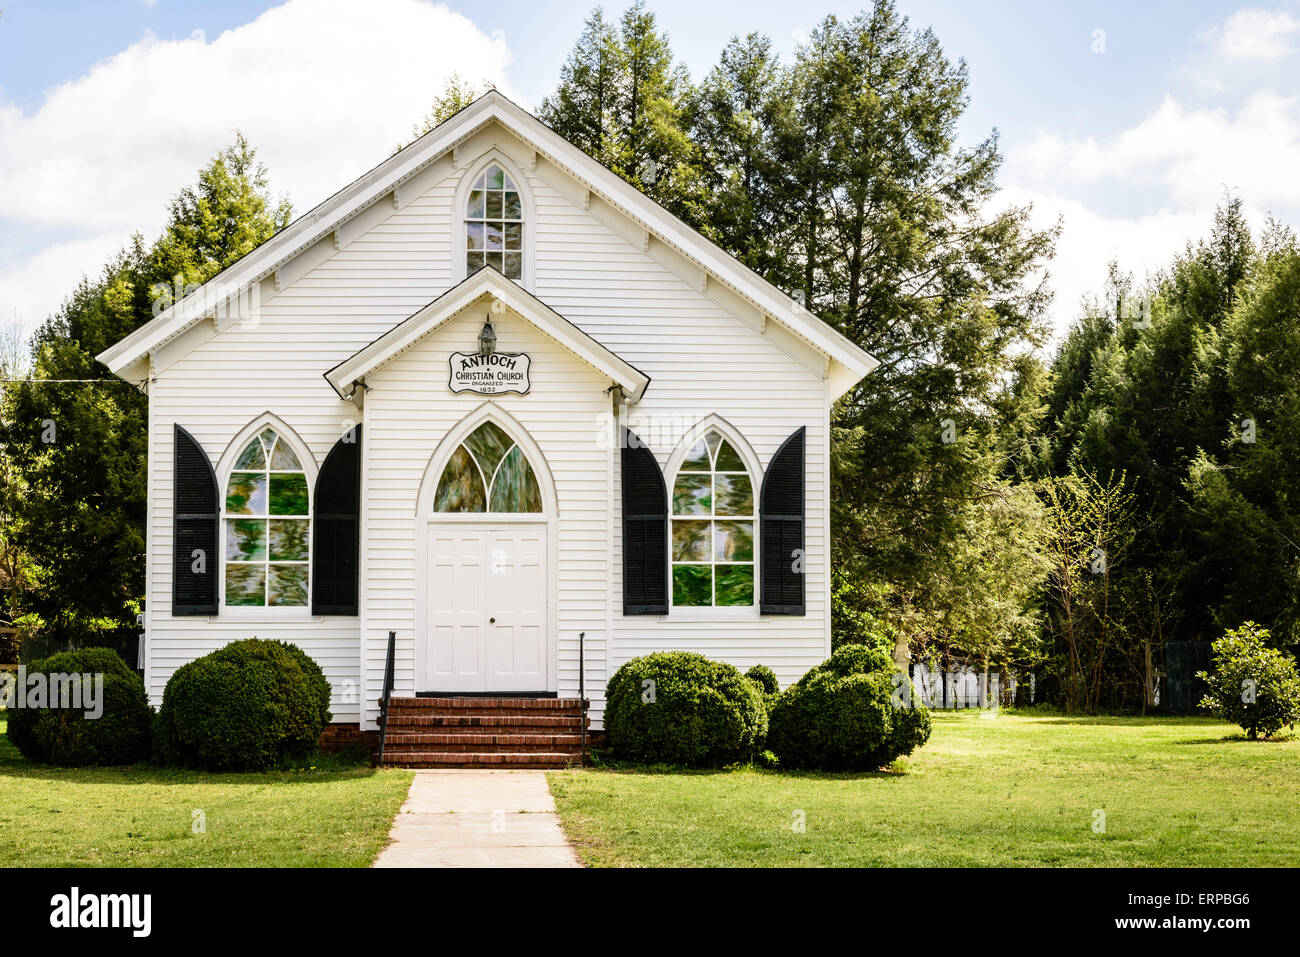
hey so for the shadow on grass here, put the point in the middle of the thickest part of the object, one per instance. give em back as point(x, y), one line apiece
point(145, 774)
point(1120, 720)
point(608, 765)
point(315, 769)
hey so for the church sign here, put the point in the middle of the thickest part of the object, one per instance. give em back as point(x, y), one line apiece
point(493, 374)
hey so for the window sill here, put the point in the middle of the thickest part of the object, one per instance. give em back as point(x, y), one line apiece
point(702, 615)
point(270, 616)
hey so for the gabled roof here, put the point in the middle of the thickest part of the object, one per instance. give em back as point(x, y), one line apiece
point(389, 175)
point(485, 282)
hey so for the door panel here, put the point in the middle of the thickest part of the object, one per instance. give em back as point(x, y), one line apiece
point(516, 602)
point(454, 656)
point(487, 609)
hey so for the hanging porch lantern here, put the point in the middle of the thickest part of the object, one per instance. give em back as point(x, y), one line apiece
point(487, 338)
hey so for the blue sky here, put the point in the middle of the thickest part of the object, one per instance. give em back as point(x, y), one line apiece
point(1129, 120)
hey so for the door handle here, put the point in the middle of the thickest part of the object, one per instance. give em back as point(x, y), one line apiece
point(492, 621)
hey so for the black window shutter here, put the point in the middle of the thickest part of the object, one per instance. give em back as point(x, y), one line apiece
point(781, 529)
point(336, 530)
point(645, 530)
point(195, 517)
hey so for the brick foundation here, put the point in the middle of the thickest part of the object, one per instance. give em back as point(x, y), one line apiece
point(336, 737)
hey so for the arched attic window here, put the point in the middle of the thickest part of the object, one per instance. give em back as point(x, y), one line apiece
point(267, 520)
point(494, 224)
point(488, 472)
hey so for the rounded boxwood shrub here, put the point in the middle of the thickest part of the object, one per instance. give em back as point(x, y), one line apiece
point(841, 716)
point(120, 735)
point(678, 707)
point(248, 706)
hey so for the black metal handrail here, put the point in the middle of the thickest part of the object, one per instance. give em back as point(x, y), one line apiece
point(582, 689)
point(388, 693)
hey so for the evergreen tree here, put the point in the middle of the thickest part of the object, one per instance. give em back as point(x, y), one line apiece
point(1143, 391)
point(840, 179)
point(583, 107)
point(1245, 504)
point(897, 252)
point(624, 100)
point(739, 111)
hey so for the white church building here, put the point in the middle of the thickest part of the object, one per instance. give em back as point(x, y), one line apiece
point(488, 398)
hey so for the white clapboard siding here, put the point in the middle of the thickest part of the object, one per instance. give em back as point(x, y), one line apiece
point(702, 361)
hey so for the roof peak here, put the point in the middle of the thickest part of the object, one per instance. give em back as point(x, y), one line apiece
point(388, 177)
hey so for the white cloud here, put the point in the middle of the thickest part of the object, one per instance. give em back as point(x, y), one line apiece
point(31, 290)
point(323, 88)
point(1141, 194)
point(1254, 34)
point(1186, 153)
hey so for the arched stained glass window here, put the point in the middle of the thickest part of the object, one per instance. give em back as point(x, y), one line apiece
point(268, 526)
point(713, 527)
point(494, 224)
point(488, 473)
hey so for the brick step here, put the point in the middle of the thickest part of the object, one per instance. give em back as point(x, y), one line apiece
point(488, 704)
point(485, 748)
point(395, 717)
point(487, 723)
point(483, 742)
point(508, 761)
point(480, 713)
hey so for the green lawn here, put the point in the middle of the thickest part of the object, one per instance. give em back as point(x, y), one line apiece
point(334, 816)
point(1012, 790)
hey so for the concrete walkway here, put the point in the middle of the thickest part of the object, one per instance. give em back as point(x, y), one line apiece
point(472, 818)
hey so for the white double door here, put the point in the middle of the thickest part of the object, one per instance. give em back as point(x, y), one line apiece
point(486, 622)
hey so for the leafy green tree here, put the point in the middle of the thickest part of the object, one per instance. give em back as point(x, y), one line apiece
point(77, 437)
point(990, 597)
point(1090, 530)
point(16, 569)
point(1251, 684)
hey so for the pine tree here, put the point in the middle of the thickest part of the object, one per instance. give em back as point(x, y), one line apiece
point(737, 113)
point(582, 109)
point(624, 100)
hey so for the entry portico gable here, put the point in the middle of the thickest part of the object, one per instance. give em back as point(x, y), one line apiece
point(500, 294)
